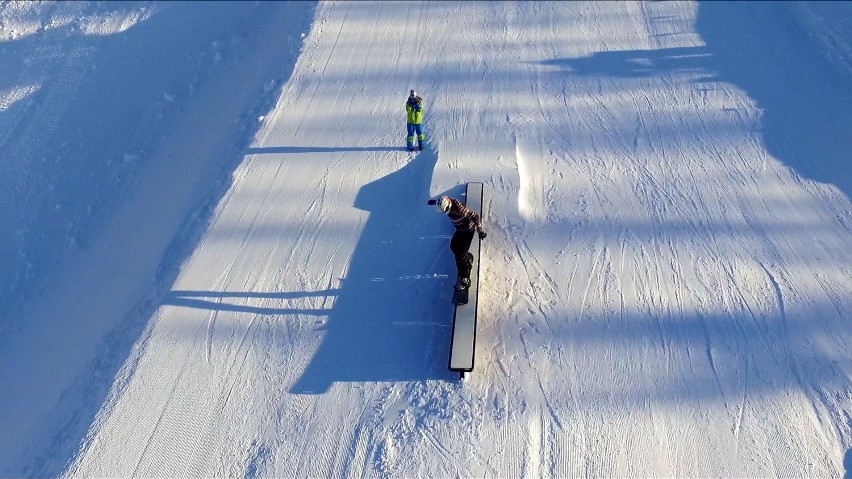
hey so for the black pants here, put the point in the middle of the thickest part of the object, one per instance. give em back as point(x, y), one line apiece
point(459, 245)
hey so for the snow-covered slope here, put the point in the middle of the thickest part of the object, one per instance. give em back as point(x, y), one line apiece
point(665, 286)
point(125, 141)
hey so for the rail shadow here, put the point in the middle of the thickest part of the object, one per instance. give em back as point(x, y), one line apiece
point(320, 149)
point(200, 300)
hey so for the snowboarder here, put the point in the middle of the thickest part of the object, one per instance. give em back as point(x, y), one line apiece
point(466, 222)
point(414, 115)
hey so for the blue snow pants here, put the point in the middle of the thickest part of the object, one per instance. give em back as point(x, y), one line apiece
point(412, 129)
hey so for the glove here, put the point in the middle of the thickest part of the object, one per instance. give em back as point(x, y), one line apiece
point(482, 235)
point(431, 202)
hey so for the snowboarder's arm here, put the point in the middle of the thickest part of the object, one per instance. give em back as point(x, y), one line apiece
point(477, 222)
point(472, 219)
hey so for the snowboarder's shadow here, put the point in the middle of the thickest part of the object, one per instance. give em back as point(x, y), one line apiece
point(392, 317)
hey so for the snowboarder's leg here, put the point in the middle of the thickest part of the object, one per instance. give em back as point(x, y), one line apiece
point(421, 138)
point(410, 139)
point(464, 275)
point(459, 245)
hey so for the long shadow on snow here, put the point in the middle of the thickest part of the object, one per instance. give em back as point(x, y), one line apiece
point(320, 149)
point(847, 464)
point(391, 319)
point(757, 47)
point(199, 300)
point(193, 27)
point(806, 104)
point(635, 63)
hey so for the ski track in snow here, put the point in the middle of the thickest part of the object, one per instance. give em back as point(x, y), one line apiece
point(664, 289)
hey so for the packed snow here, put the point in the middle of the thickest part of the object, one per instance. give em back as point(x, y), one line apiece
point(217, 258)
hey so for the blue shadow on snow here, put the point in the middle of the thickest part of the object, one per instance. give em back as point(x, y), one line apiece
point(757, 47)
point(319, 149)
point(392, 316)
point(117, 116)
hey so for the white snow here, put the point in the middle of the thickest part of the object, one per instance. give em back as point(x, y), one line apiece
point(216, 257)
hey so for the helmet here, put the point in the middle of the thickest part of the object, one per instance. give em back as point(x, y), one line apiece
point(412, 94)
point(444, 204)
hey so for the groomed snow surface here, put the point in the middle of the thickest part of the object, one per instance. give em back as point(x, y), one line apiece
point(216, 257)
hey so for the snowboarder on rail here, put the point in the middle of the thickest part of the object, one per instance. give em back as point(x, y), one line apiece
point(466, 222)
point(414, 116)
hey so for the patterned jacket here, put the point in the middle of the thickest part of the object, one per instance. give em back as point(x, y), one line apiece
point(463, 218)
point(414, 110)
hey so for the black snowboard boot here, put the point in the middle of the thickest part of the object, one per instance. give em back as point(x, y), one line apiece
point(462, 284)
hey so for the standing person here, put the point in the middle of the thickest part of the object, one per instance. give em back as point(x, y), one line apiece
point(414, 117)
point(466, 222)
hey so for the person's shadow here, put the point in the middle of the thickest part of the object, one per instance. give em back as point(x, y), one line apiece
point(392, 316)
